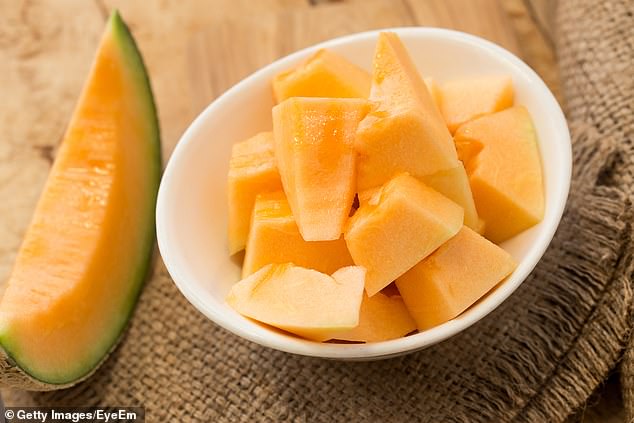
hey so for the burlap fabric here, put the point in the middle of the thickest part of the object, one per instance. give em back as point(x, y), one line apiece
point(537, 358)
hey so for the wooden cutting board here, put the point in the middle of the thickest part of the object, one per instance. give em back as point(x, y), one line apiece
point(238, 42)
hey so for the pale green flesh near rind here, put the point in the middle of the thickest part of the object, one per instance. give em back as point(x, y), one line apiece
point(79, 370)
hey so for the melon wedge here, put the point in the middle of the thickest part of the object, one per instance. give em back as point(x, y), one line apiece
point(502, 160)
point(455, 276)
point(405, 132)
point(301, 301)
point(252, 170)
point(314, 149)
point(381, 318)
point(466, 99)
point(275, 238)
point(324, 74)
point(86, 253)
point(401, 224)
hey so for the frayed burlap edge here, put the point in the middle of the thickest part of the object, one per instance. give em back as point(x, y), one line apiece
point(605, 332)
point(595, 41)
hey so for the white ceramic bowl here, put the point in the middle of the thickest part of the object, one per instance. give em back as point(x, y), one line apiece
point(192, 210)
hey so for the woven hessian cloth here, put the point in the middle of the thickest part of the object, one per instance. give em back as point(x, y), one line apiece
point(536, 358)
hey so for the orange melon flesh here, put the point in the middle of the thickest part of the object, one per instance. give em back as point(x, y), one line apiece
point(455, 276)
point(466, 99)
point(401, 224)
point(252, 170)
point(275, 238)
point(324, 74)
point(314, 150)
point(453, 184)
point(405, 132)
point(301, 301)
point(502, 160)
point(84, 257)
point(381, 318)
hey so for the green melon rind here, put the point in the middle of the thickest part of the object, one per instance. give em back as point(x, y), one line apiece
point(16, 374)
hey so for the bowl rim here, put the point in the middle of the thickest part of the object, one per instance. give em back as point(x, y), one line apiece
point(402, 345)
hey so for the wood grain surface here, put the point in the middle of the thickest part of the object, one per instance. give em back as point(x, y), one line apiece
point(194, 51)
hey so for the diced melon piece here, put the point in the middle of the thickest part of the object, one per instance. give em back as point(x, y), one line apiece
point(301, 301)
point(399, 226)
point(454, 184)
point(502, 160)
point(405, 132)
point(466, 99)
point(274, 238)
point(381, 318)
point(314, 140)
point(324, 74)
point(252, 170)
point(454, 277)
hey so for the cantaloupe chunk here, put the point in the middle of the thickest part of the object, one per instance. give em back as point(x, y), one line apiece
point(274, 238)
point(405, 132)
point(466, 99)
point(502, 160)
point(453, 184)
point(85, 255)
point(314, 149)
point(381, 318)
point(324, 74)
point(252, 170)
point(301, 301)
point(455, 276)
point(399, 226)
